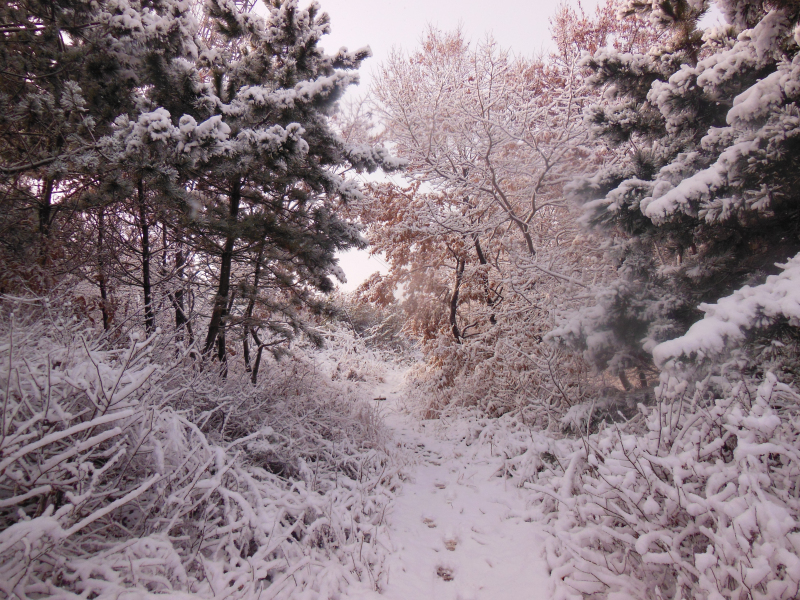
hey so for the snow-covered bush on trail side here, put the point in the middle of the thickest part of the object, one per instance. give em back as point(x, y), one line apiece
point(126, 470)
point(703, 504)
point(696, 498)
point(701, 498)
point(380, 327)
point(503, 370)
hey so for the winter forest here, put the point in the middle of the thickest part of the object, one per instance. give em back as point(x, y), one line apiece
point(575, 379)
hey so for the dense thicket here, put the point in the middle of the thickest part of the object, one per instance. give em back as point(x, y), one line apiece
point(698, 499)
point(171, 196)
point(136, 156)
point(483, 242)
point(124, 470)
point(601, 243)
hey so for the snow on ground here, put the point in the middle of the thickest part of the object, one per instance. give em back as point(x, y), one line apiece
point(456, 530)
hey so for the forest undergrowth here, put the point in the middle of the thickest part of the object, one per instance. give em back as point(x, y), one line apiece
point(129, 470)
point(599, 252)
point(695, 497)
point(594, 255)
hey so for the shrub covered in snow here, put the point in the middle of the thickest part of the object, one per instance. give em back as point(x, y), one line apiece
point(125, 468)
point(704, 503)
point(695, 498)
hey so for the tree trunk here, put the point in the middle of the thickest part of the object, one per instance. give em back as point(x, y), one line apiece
point(257, 364)
point(528, 240)
point(222, 349)
point(101, 274)
point(246, 352)
point(623, 379)
point(486, 290)
point(460, 264)
point(176, 298)
point(149, 317)
point(219, 313)
point(254, 376)
point(222, 354)
point(45, 210)
point(248, 313)
point(181, 320)
point(642, 379)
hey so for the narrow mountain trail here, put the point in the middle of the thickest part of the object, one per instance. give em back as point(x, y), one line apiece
point(457, 531)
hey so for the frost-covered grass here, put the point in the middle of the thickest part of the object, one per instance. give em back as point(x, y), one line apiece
point(127, 470)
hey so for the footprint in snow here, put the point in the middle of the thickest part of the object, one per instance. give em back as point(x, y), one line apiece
point(445, 573)
point(429, 522)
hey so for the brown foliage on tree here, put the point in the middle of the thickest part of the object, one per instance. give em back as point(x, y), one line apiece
point(482, 244)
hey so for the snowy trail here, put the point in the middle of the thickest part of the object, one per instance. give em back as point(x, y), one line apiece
point(456, 530)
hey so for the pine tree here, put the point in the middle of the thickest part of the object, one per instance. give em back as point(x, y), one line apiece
point(705, 200)
point(270, 195)
point(46, 119)
point(69, 70)
point(701, 216)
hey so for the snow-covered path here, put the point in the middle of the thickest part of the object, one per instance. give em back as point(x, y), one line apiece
point(456, 530)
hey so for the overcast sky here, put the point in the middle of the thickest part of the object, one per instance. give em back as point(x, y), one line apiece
point(519, 24)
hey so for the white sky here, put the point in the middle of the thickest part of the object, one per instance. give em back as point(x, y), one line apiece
point(522, 25)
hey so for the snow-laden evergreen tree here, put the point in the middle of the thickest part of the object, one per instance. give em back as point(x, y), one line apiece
point(269, 195)
point(697, 497)
point(67, 71)
point(135, 473)
point(144, 155)
point(705, 201)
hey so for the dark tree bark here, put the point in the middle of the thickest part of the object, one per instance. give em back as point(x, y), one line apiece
point(248, 313)
point(222, 355)
point(101, 272)
point(181, 318)
point(144, 228)
point(46, 209)
point(222, 348)
point(642, 379)
point(45, 214)
point(176, 298)
point(254, 375)
point(219, 313)
point(257, 364)
point(246, 352)
point(486, 289)
point(460, 264)
point(479, 250)
point(623, 379)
